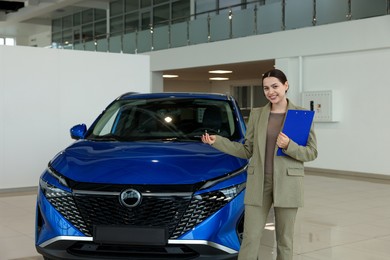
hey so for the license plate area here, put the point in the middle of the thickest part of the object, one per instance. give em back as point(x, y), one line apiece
point(130, 235)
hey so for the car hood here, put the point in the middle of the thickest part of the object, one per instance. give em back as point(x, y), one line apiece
point(143, 162)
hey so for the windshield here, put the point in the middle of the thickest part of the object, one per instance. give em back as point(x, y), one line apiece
point(167, 119)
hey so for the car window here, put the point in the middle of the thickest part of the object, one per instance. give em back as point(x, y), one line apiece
point(167, 118)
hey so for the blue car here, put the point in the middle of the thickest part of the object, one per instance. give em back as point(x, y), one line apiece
point(140, 184)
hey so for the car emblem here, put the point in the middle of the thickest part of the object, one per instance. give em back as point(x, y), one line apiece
point(130, 198)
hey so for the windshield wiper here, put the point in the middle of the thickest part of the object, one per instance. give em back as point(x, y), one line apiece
point(107, 137)
point(181, 139)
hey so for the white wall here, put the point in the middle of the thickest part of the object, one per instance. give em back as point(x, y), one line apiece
point(359, 142)
point(44, 92)
point(42, 39)
point(352, 58)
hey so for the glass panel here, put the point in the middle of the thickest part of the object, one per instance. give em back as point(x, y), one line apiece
point(76, 19)
point(67, 37)
point(198, 32)
point(161, 38)
point(156, 2)
point(139, 119)
point(251, 6)
point(243, 23)
point(131, 22)
point(129, 43)
point(102, 45)
point(161, 15)
point(56, 25)
point(116, 8)
point(116, 26)
point(179, 34)
point(146, 3)
point(87, 31)
point(243, 96)
point(87, 16)
point(78, 46)
point(101, 29)
point(76, 36)
point(219, 27)
point(203, 8)
point(225, 6)
point(90, 46)
point(131, 5)
point(100, 14)
point(299, 13)
point(259, 99)
point(269, 18)
point(365, 9)
point(180, 11)
point(56, 37)
point(115, 44)
point(67, 22)
point(145, 21)
point(331, 11)
point(144, 41)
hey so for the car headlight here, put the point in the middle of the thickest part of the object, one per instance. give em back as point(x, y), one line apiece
point(51, 191)
point(227, 177)
point(54, 184)
point(231, 192)
point(224, 189)
point(57, 176)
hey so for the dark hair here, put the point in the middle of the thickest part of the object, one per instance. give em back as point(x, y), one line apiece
point(277, 74)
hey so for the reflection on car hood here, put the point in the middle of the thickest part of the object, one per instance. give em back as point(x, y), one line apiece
point(143, 162)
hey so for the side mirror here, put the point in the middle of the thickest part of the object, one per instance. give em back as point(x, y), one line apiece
point(78, 131)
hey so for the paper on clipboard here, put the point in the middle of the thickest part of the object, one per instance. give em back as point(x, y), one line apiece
point(297, 126)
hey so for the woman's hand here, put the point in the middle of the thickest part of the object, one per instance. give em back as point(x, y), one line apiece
point(282, 141)
point(208, 139)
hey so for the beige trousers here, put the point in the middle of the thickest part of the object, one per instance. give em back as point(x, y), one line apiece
point(255, 220)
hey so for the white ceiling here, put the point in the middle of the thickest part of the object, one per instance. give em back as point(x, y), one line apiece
point(240, 71)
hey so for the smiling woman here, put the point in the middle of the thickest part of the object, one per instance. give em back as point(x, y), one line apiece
point(272, 180)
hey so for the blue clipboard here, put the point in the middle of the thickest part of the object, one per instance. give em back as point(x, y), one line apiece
point(297, 127)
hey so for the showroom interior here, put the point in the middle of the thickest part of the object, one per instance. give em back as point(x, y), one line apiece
point(63, 61)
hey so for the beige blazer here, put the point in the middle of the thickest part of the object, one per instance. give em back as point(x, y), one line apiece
point(288, 170)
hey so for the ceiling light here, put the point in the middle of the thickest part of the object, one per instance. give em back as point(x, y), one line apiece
point(168, 119)
point(170, 76)
point(218, 78)
point(220, 71)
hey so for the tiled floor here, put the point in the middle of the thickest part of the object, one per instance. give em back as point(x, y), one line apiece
point(343, 219)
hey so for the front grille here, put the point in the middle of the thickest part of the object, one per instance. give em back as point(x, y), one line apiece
point(200, 208)
point(179, 214)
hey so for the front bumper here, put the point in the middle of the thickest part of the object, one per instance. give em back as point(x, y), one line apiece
point(214, 238)
point(80, 248)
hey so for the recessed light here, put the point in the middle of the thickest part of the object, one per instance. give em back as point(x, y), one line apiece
point(220, 71)
point(218, 78)
point(170, 76)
